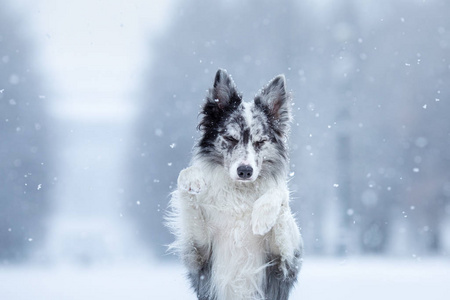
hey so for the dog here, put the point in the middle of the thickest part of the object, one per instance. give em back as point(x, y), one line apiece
point(230, 214)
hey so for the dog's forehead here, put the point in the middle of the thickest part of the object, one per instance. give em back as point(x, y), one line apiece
point(257, 120)
point(246, 118)
point(236, 122)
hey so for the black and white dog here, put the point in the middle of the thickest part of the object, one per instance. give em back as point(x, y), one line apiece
point(230, 213)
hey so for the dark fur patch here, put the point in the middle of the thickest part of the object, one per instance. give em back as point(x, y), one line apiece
point(278, 286)
point(222, 100)
point(201, 282)
point(246, 136)
point(200, 277)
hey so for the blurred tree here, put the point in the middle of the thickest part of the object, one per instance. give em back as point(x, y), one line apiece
point(23, 145)
point(425, 82)
point(399, 141)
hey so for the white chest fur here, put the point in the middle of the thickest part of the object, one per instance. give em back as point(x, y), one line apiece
point(235, 226)
point(238, 255)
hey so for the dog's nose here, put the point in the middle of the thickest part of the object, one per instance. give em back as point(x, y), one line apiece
point(245, 171)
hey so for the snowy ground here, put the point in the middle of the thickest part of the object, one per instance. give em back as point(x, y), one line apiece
point(320, 279)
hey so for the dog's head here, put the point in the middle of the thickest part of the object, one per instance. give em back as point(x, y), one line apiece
point(248, 139)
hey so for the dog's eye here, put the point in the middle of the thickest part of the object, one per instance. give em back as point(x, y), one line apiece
point(260, 143)
point(231, 140)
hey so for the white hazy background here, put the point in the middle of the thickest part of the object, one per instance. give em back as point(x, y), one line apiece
point(92, 57)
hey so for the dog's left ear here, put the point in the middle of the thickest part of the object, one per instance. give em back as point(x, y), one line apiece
point(275, 102)
point(224, 92)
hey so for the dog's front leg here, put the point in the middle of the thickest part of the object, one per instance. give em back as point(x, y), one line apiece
point(285, 249)
point(193, 229)
point(287, 241)
point(266, 210)
point(272, 212)
point(194, 238)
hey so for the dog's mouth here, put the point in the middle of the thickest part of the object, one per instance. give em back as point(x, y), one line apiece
point(243, 180)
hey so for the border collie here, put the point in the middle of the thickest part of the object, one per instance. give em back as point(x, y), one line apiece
point(230, 214)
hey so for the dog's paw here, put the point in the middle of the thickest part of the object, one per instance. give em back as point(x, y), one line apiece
point(191, 180)
point(264, 217)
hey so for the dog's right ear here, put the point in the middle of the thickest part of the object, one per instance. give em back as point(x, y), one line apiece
point(274, 101)
point(223, 96)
